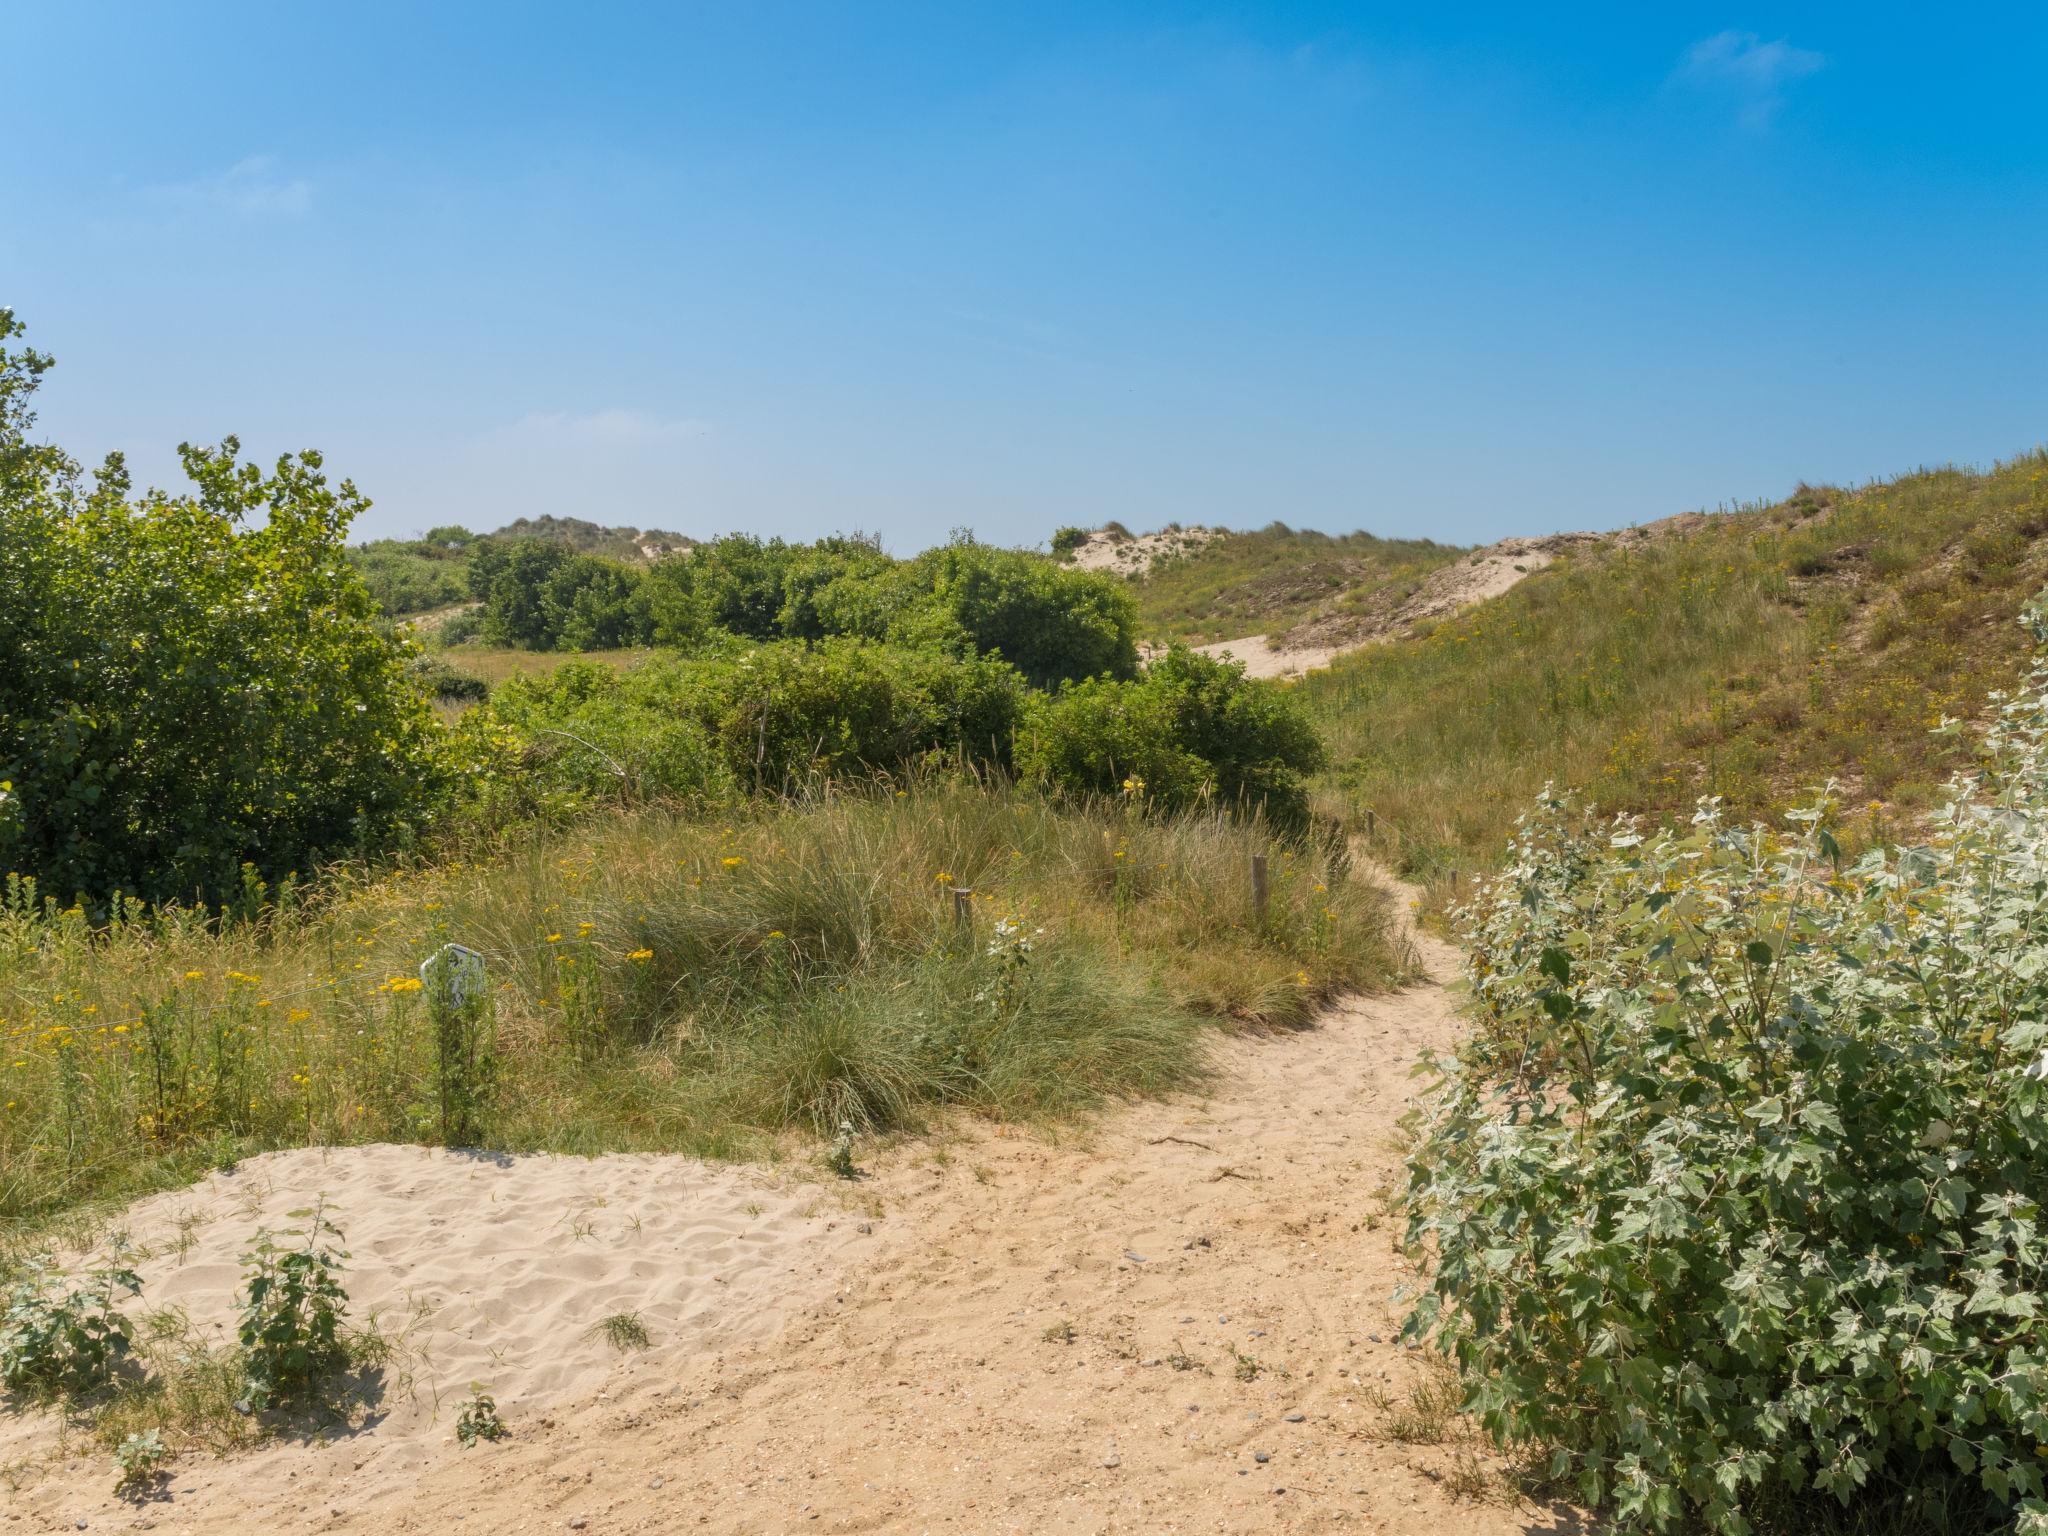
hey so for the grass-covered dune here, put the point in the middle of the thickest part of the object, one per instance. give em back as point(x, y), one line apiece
point(658, 983)
point(1750, 655)
point(1268, 580)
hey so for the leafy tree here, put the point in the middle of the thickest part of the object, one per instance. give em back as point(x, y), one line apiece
point(192, 682)
point(1048, 622)
point(512, 578)
point(736, 583)
point(590, 605)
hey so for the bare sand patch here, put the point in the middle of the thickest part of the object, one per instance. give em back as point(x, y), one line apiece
point(492, 1269)
point(1123, 554)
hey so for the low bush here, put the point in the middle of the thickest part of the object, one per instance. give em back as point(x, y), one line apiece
point(293, 1304)
point(61, 1334)
point(1734, 1198)
point(1192, 730)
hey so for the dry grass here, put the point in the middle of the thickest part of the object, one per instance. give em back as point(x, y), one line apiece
point(494, 664)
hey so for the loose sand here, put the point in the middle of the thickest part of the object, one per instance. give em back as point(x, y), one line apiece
point(891, 1355)
point(1134, 556)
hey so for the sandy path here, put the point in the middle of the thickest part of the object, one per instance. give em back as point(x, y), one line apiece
point(922, 1392)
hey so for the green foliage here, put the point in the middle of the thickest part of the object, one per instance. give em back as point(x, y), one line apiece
point(141, 1459)
point(1322, 587)
point(1066, 540)
point(1050, 623)
point(770, 717)
point(64, 1336)
point(592, 605)
point(445, 683)
point(514, 581)
point(1192, 729)
point(293, 1304)
point(477, 1419)
point(1747, 655)
point(405, 577)
point(173, 673)
point(966, 599)
point(1736, 1192)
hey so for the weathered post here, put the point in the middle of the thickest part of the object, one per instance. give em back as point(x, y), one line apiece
point(963, 908)
point(1259, 886)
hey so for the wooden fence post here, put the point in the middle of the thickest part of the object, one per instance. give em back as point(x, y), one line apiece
point(963, 908)
point(1259, 886)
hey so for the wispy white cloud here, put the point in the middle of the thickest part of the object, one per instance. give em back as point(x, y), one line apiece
point(1755, 73)
point(251, 188)
point(613, 428)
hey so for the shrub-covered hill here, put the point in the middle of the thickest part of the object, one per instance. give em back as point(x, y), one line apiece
point(1279, 579)
point(1749, 655)
point(411, 576)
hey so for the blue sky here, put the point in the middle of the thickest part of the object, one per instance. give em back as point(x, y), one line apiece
point(1457, 272)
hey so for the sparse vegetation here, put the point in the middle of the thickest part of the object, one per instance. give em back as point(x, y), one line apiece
point(477, 1417)
point(623, 1331)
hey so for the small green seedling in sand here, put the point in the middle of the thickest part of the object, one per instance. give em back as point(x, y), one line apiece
point(623, 1331)
point(1061, 1332)
point(141, 1460)
point(478, 1418)
point(840, 1158)
point(1248, 1367)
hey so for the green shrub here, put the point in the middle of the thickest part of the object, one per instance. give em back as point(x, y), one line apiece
point(445, 683)
point(1736, 1191)
point(1066, 540)
point(592, 605)
point(140, 1460)
point(184, 693)
point(1192, 729)
point(293, 1304)
point(1050, 623)
point(739, 717)
point(966, 599)
point(64, 1336)
point(406, 578)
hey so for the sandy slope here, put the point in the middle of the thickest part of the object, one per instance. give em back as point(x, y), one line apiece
point(1478, 577)
point(918, 1389)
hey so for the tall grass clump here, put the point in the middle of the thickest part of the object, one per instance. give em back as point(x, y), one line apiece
point(662, 983)
point(1731, 1206)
